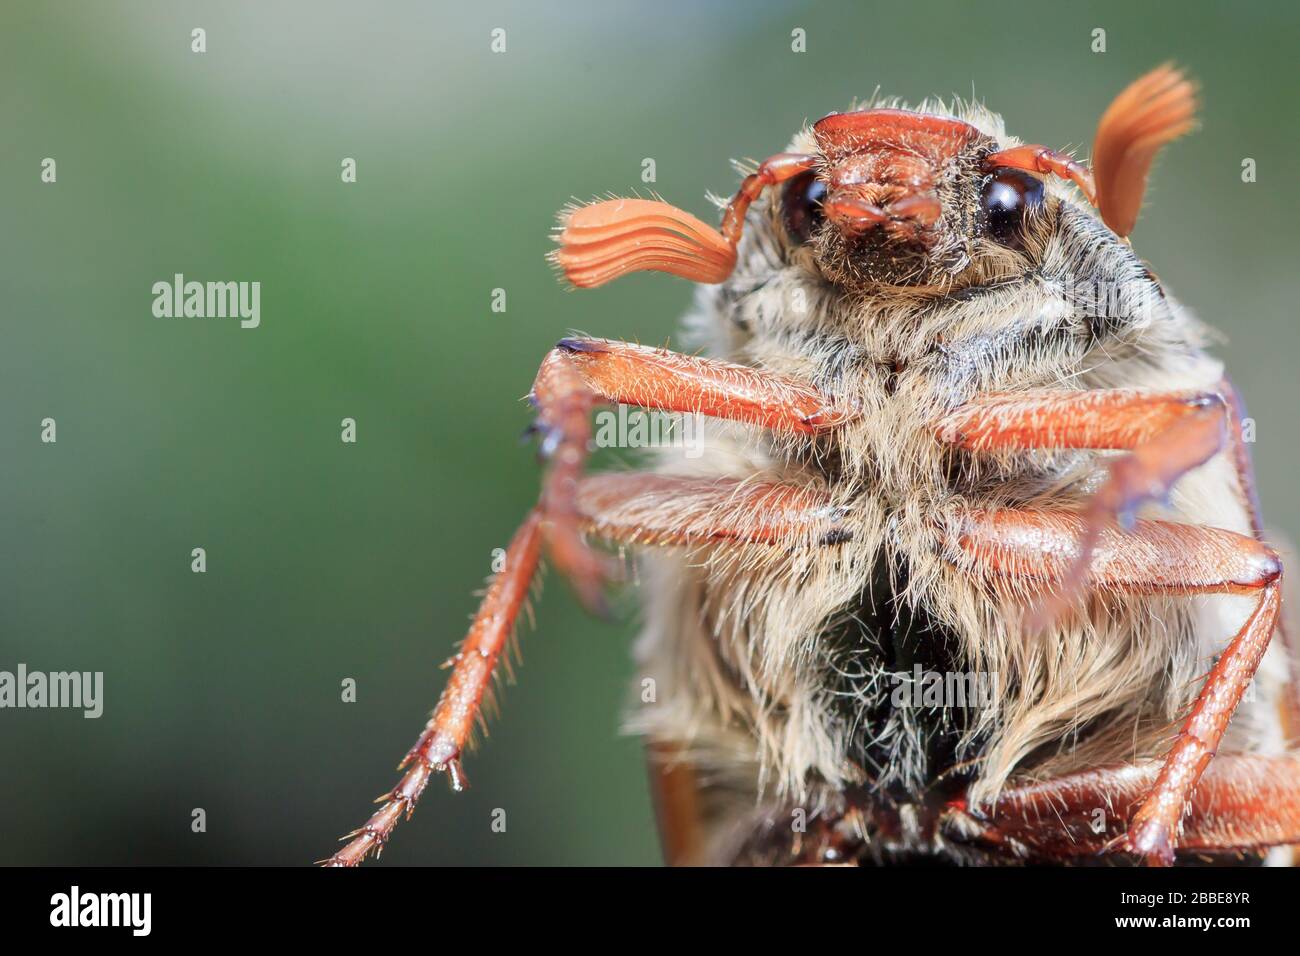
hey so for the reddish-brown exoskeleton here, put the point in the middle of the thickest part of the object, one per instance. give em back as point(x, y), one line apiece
point(935, 453)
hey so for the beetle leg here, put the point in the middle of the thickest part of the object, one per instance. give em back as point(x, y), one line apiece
point(1121, 419)
point(579, 374)
point(1158, 557)
point(1241, 460)
point(1243, 802)
point(448, 730)
point(1245, 468)
point(761, 513)
point(661, 509)
point(1167, 433)
point(676, 795)
point(574, 377)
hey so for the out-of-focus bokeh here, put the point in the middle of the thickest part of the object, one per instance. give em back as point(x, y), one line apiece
point(329, 560)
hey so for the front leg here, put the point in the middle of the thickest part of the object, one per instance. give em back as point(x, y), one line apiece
point(580, 374)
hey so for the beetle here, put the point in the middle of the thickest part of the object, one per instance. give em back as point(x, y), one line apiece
point(957, 428)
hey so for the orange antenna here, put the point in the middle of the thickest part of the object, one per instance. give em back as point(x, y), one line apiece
point(1151, 111)
point(1040, 159)
point(605, 240)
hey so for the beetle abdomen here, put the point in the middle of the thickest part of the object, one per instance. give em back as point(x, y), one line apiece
point(895, 678)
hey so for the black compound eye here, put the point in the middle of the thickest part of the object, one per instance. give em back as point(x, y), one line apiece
point(1008, 195)
point(801, 206)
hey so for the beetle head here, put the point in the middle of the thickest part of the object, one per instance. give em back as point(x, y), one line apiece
point(892, 186)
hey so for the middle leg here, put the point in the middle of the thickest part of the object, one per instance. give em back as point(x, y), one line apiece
point(624, 508)
point(1167, 434)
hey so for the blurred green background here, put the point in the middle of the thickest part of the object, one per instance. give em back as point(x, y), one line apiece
point(328, 560)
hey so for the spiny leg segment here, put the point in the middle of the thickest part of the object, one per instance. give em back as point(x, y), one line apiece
point(614, 507)
point(448, 730)
point(574, 377)
point(650, 509)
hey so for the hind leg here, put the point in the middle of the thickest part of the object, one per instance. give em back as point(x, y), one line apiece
point(1243, 803)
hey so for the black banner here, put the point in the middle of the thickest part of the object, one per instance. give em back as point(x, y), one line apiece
point(374, 903)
